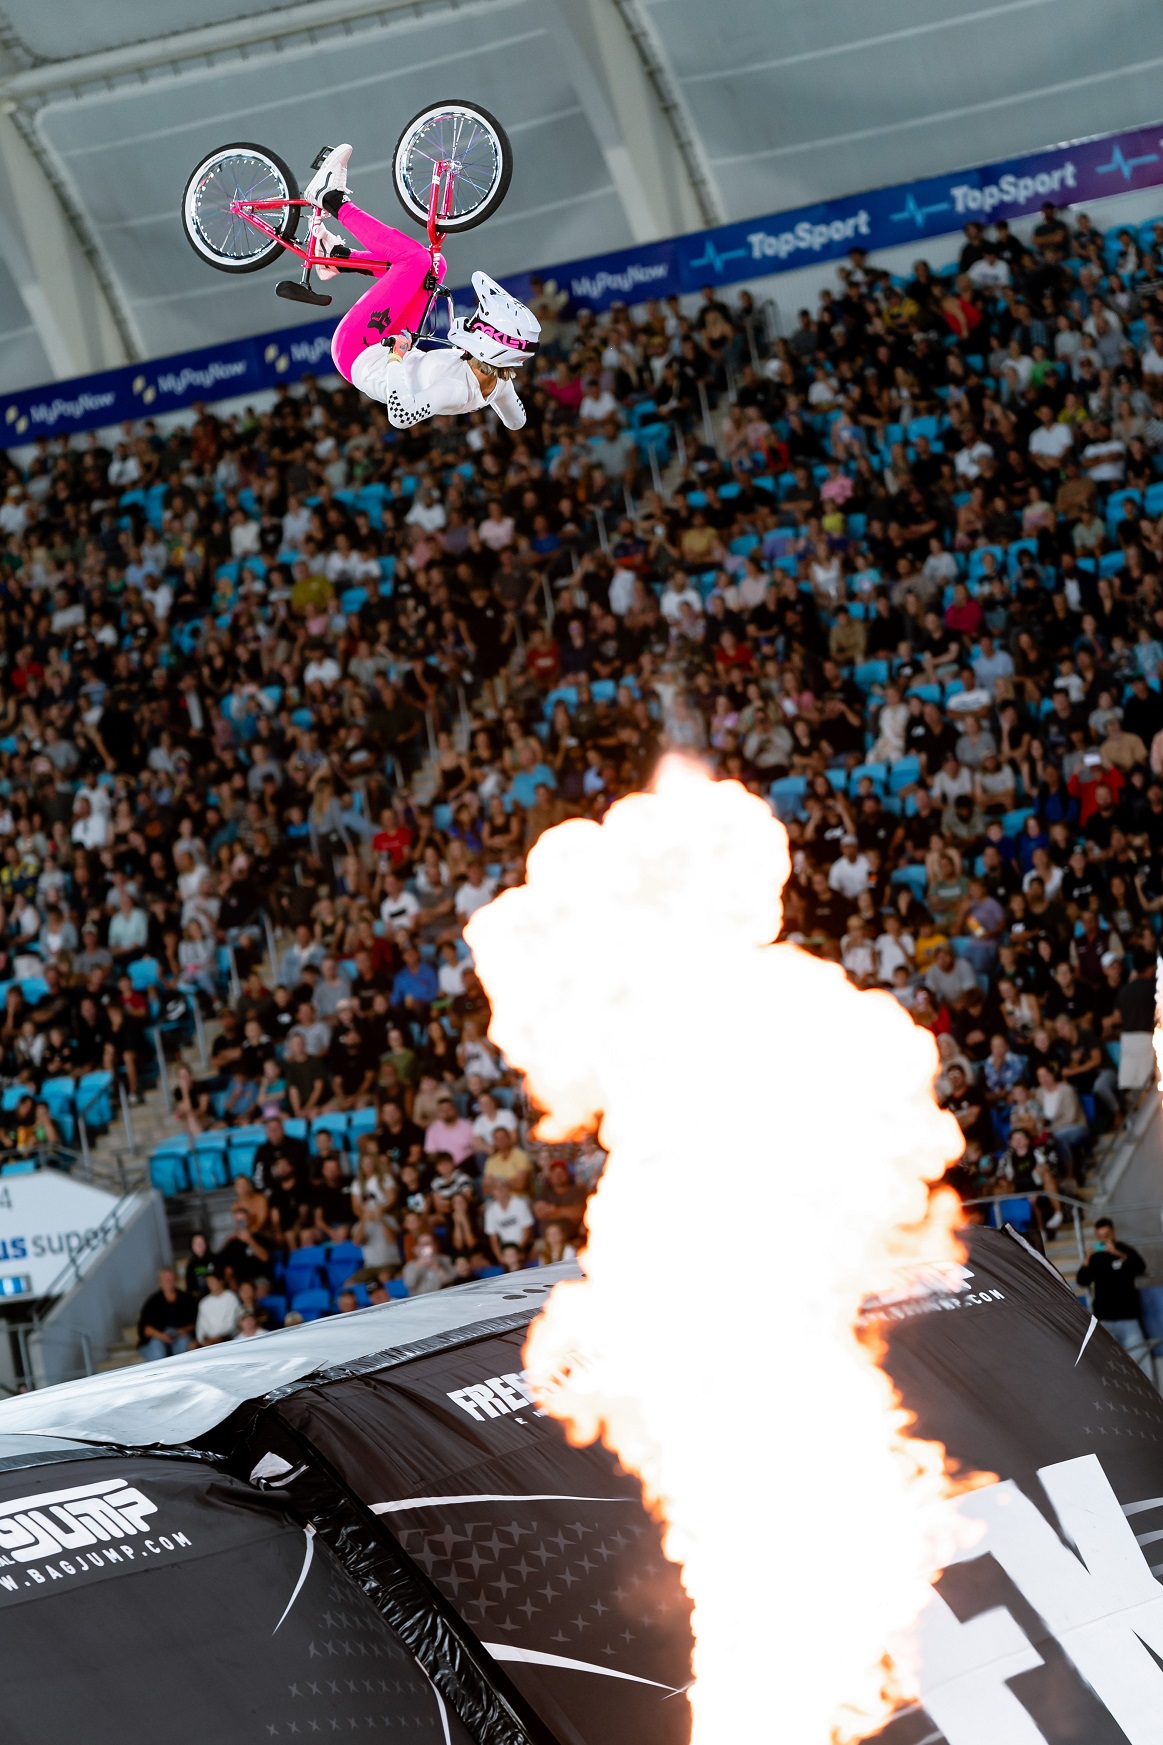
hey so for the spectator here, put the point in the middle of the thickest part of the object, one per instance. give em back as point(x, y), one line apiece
point(508, 1220)
point(1109, 1273)
point(165, 1327)
point(428, 1270)
point(218, 1313)
point(507, 1163)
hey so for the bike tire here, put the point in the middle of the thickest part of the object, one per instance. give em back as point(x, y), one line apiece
point(276, 181)
point(415, 202)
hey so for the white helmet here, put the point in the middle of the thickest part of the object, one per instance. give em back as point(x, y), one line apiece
point(500, 333)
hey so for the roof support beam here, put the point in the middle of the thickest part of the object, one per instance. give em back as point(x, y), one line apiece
point(58, 284)
point(203, 42)
point(632, 101)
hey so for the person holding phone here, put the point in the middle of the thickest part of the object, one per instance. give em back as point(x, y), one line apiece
point(1109, 1274)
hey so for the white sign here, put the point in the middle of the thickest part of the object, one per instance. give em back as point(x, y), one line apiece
point(1093, 1590)
point(46, 1220)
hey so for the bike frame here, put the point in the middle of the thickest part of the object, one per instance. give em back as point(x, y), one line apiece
point(439, 206)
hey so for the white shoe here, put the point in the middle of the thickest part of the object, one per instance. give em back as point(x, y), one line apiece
point(1051, 1223)
point(327, 244)
point(331, 175)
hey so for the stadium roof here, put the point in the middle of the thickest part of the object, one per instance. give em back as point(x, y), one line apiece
point(631, 119)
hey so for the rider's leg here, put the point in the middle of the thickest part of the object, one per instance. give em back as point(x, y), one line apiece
point(396, 301)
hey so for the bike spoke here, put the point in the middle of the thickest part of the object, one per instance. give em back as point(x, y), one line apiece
point(459, 139)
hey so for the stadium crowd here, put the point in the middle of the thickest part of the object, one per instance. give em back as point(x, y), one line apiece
point(906, 585)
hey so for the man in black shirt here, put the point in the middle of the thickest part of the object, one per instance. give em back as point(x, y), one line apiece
point(1109, 1274)
point(165, 1326)
point(1136, 1004)
point(1068, 995)
point(331, 1202)
point(278, 1143)
point(1143, 711)
point(399, 1140)
point(1081, 880)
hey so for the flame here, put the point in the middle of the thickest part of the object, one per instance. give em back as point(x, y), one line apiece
point(772, 1136)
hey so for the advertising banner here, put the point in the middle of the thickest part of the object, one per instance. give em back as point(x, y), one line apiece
point(46, 1220)
point(908, 212)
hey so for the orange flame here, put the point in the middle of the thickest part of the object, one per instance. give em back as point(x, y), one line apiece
point(772, 1136)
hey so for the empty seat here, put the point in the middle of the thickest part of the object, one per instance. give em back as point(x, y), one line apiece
point(312, 1304)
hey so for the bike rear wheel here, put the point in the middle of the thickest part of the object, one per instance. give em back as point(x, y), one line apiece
point(224, 238)
point(475, 147)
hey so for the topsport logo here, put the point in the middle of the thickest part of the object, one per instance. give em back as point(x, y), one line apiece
point(806, 237)
point(1013, 190)
point(67, 1532)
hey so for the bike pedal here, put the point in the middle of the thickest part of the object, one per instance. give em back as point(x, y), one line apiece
point(294, 292)
point(317, 160)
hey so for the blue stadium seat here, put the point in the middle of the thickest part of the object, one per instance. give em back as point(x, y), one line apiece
point(877, 772)
point(94, 1099)
point(345, 1254)
point(787, 796)
point(335, 1124)
point(305, 1270)
point(168, 1173)
point(870, 673)
point(312, 1305)
point(208, 1168)
point(361, 1121)
point(915, 877)
point(904, 772)
point(274, 1308)
point(1019, 1213)
point(397, 1289)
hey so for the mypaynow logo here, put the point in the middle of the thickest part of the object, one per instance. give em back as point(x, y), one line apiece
point(626, 279)
point(1013, 190)
point(1099, 1600)
point(203, 376)
point(806, 237)
point(50, 412)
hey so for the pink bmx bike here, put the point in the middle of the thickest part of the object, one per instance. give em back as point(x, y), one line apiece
point(242, 208)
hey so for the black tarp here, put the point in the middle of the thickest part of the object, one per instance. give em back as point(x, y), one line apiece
point(457, 1532)
point(543, 1549)
point(150, 1598)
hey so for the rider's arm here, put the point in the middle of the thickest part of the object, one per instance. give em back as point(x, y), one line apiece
point(506, 403)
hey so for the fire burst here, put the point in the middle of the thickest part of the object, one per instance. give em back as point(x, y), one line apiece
point(772, 1137)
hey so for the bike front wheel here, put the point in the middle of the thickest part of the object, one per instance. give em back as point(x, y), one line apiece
point(223, 237)
point(467, 150)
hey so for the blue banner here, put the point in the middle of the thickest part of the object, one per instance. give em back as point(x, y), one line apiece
point(1067, 175)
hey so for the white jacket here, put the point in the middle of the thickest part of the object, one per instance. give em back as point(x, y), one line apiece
point(430, 384)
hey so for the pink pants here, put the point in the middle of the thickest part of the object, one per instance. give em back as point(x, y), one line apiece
point(397, 299)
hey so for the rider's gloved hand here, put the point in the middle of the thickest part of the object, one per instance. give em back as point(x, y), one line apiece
point(402, 344)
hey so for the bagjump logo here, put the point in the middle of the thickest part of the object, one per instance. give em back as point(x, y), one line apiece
point(1013, 190)
point(56, 1534)
point(498, 1397)
point(938, 1284)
